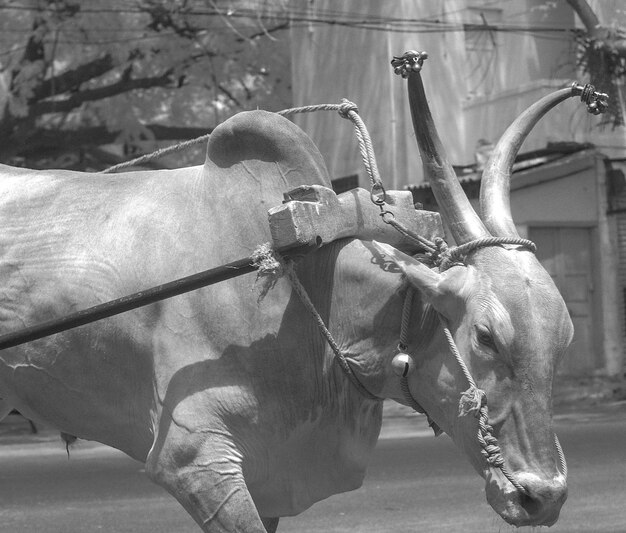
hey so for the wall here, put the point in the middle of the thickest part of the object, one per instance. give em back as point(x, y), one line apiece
point(560, 193)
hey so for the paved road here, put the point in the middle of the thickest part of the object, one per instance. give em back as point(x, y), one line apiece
point(414, 484)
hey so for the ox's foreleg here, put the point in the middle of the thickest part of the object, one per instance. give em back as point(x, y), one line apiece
point(203, 472)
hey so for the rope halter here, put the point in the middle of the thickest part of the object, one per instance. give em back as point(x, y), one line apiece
point(473, 400)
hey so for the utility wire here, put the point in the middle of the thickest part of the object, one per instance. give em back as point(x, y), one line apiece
point(354, 20)
point(325, 17)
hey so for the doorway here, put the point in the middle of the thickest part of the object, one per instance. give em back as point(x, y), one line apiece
point(566, 253)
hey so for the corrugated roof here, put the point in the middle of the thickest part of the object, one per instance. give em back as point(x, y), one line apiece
point(528, 160)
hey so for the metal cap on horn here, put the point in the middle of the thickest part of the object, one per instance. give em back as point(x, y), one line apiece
point(465, 225)
point(495, 201)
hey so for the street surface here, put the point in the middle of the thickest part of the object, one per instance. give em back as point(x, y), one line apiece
point(415, 483)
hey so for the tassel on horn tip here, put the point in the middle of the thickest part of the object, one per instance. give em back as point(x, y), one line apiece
point(596, 102)
point(410, 61)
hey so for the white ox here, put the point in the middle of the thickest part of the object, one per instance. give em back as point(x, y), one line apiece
point(237, 407)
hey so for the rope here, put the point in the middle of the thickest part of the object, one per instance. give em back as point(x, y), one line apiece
point(413, 403)
point(311, 108)
point(267, 262)
point(339, 357)
point(463, 250)
point(407, 306)
point(426, 244)
point(350, 111)
point(444, 256)
point(455, 351)
point(475, 400)
point(157, 154)
point(346, 109)
point(561, 456)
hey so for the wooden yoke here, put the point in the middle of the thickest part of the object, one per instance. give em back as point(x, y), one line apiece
point(314, 214)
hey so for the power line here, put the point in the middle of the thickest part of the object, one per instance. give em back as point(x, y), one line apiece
point(345, 19)
point(398, 27)
point(322, 16)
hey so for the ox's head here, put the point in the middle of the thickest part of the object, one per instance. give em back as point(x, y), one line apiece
point(507, 318)
point(511, 327)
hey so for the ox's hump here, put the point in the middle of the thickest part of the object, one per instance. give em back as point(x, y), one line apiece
point(252, 138)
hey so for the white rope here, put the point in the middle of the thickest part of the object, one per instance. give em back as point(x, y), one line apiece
point(346, 109)
point(157, 154)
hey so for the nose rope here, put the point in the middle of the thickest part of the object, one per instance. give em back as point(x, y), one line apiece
point(474, 400)
point(561, 455)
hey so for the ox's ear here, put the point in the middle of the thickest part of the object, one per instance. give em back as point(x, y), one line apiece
point(418, 274)
point(441, 290)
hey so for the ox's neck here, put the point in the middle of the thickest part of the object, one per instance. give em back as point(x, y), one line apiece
point(362, 304)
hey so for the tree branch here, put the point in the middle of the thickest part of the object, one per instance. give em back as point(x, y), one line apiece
point(72, 79)
point(610, 38)
point(266, 31)
point(52, 140)
point(586, 14)
point(121, 86)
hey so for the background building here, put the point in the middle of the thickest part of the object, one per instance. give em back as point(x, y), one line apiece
point(488, 61)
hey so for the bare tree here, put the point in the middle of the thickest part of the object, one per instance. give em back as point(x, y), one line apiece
point(84, 73)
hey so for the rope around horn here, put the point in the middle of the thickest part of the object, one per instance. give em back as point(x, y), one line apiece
point(443, 256)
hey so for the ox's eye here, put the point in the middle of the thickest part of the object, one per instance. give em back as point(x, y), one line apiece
point(485, 338)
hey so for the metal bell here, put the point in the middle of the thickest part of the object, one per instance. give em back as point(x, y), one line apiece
point(402, 364)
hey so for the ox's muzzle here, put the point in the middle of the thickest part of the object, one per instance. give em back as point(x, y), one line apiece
point(541, 504)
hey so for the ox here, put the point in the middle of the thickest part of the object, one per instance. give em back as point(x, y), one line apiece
point(236, 405)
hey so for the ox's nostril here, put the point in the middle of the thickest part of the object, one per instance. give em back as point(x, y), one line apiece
point(542, 499)
point(531, 504)
point(538, 503)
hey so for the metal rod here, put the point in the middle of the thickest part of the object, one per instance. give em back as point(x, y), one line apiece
point(137, 299)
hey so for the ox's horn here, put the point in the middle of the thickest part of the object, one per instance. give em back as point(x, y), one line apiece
point(495, 201)
point(465, 225)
